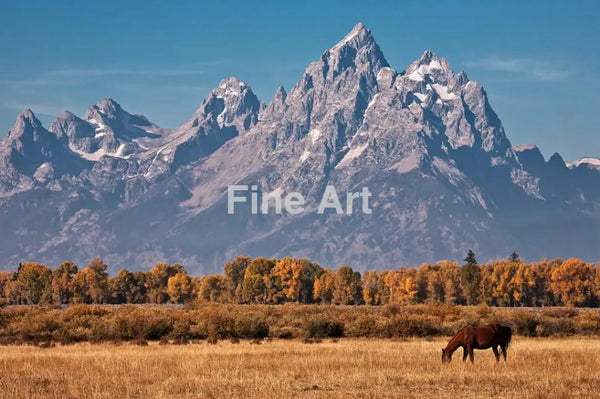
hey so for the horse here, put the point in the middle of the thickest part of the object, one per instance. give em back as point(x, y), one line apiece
point(478, 337)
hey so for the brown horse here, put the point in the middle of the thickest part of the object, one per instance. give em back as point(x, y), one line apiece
point(479, 337)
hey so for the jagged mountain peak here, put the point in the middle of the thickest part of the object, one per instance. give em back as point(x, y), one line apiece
point(107, 108)
point(26, 122)
point(110, 111)
point(556, 161)
point(232, 91)
point(225, 105)
point(531, 158)
point(278, 101)
point(430, 83)
point(105, 129)
point(27, 114)
point(67, 124)
point(334, 90)
point(358, 49)
point(229, 110)
point(232, 86)
point(359, 36)
point(430, 67)
point(29, 146)
point(66, 114)
point(280, 91)
point(428, 57)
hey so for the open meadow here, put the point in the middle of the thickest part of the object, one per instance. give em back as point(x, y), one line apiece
point(345, 368)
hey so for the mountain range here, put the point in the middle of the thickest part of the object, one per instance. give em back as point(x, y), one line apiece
point(443, 174)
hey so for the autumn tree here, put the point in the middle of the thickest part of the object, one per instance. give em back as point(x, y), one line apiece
point(35, 283)
point(234, 276)
point(179, 288)
point(542, 294)
point(451, 293)
point(402, 286)
point(524, 284)
point(471, 278)
point(95, 279)
point(488, 285)
point(157, 280)
point(597, 283)
point(124, 287)
point(435, 286)
point(572, 282)
point(295, 278)
point(9, 288)
point(422, 277)
point(196, 285)
point(323, 287)
point(254, 289)
point(288, 273)
point(62, 283)
point(503, 283)
point(347, 288)
point(370, 288)
point(80, 288)
point(310, 271)
point(450, 274)
point(214, 289)
point(140, 288)
point(258, 286)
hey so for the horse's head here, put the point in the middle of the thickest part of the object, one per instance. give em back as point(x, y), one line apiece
point(446, 355)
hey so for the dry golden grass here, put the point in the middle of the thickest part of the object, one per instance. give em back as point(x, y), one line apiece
point(365, 368)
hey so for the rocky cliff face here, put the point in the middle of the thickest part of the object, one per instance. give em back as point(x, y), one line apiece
point(427, 144)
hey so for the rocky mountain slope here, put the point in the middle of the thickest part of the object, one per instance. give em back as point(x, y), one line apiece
point(425, 141)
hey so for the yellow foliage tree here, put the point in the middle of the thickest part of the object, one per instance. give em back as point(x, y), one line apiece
point(289, 272)
point(179, 287)
point(402, 286)
point(35, 283)
point(323, 287)
point(572, 282)
point(370, 288)
point(213, 289)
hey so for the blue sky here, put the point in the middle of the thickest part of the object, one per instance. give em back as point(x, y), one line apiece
point(539, 64)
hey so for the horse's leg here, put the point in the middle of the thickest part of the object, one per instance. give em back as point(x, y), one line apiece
point(471, 355)
point(503, 348)
point(495, 349)
point(465, 353)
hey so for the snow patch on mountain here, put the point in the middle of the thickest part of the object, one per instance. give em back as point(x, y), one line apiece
point(315, 135)
point(408, 164)
point(588, 161)
point(352, 153)
point(418, 75)
point(443, 92)
point(304, 156)
point(422, 97)
point(524, 147)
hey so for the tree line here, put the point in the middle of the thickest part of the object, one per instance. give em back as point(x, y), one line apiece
point(245, 280)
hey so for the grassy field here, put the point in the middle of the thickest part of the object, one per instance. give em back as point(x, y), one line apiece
point(349, 368)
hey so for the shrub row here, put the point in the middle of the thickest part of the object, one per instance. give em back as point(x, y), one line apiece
point(96, 323)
